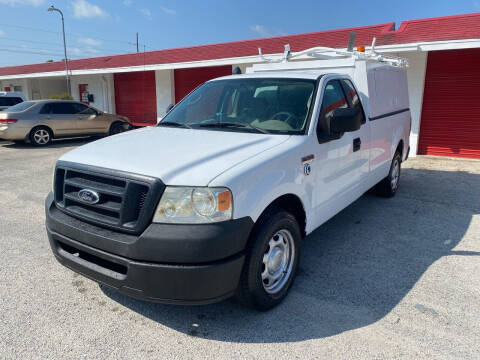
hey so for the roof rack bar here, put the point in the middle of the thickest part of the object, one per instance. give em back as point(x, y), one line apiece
point(327, 53)
point(286, 55)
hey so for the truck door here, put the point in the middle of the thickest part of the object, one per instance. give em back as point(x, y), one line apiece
point(340, 165)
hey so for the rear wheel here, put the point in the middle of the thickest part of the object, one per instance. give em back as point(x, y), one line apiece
point(271, 261)
point(41, 136)
point(388, 187)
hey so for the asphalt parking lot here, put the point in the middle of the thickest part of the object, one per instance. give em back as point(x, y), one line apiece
point(385, 278)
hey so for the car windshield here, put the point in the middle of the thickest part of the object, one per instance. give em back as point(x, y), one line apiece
point(276, 106)
point(21, 106)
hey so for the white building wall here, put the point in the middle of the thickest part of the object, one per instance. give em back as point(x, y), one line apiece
point(165, 89)
point(100, 86)
point(13, 84)
point(43, 88)
point(416, 83)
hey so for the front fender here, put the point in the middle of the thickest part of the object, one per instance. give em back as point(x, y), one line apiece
point(256, 183)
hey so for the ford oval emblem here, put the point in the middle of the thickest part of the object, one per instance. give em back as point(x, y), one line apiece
point(88, 196)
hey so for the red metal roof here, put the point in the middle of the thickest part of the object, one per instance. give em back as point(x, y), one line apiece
point(423, 30)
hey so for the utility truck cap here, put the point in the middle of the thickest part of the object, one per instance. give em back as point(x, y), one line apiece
point(214, 201)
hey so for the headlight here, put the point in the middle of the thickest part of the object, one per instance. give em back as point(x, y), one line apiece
point(189, 205)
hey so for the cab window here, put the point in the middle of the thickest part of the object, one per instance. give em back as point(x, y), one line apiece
point(352, 97)
point(333, 98)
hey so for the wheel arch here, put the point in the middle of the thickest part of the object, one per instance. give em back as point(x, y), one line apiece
point(290, 203)
point(116, 122)
point(400, 148)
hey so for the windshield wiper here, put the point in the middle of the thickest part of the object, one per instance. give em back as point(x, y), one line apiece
point(234, 125)
point(173, 124)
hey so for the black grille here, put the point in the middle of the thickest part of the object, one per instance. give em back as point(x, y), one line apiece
point(126, 201)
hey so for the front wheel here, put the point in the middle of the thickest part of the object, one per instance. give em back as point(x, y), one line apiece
point(116, 128)
point(271, 261)
point(388, 187)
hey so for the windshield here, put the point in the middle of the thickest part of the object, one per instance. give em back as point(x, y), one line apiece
point(21, 106)
point(248, 105)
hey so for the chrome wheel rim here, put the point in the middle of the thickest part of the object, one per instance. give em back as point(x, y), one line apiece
point(277, 262)
point(395, 174)
point(41, 137)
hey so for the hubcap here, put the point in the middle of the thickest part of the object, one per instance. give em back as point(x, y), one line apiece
point(41, 137)
point(395, 174)
point(277, 261)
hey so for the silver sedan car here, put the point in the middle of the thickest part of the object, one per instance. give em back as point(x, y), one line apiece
point(41, 121)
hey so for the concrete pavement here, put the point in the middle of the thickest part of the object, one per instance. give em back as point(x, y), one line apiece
point(385, 278)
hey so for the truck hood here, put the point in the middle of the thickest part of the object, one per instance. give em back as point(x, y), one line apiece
point(176, 156)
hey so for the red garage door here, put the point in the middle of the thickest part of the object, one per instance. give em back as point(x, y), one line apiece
point(450, 124)
point(188, 79)
point(135, 97)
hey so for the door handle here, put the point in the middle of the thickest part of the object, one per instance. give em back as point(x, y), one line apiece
point(357, 143)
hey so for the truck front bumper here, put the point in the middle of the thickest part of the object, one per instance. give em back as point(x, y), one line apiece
point(206, 267)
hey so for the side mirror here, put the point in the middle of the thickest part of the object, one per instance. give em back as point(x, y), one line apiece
point(169, 107)
point(345, 120)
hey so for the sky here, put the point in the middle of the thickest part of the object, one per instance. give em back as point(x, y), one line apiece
point(29, 34)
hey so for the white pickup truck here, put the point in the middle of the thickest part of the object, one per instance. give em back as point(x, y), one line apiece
point(215, 200)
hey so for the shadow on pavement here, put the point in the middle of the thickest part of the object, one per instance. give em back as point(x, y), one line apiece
point(354, 269)
point(58, 143)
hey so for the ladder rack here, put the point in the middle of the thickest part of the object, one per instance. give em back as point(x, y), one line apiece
point(326, 53)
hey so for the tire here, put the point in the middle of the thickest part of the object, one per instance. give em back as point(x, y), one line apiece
point(388, 187)
point(116, 128)
point(273, 250)
point(41, 136)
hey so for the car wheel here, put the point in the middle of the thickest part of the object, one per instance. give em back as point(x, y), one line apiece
point(41, 136)
point(388, 187)
point(271, 261)
point(116, 128)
